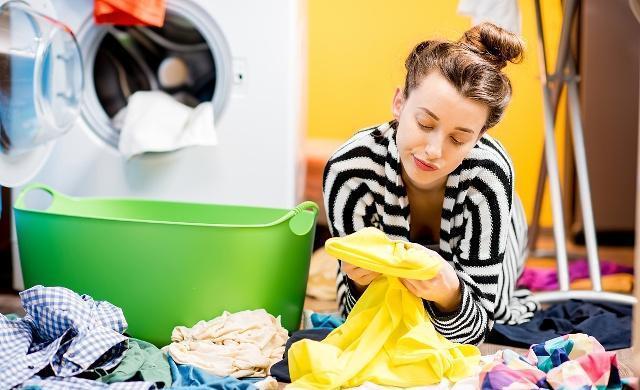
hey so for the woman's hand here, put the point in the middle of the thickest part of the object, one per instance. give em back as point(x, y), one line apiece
point(361, 277)
point(443, 289)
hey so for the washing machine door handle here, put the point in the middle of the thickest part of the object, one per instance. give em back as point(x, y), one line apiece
point(40, 88)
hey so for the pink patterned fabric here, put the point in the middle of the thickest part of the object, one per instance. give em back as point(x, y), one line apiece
point(575, 361)
point(546, 279)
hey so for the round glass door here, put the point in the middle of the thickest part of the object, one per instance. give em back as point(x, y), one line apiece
point(41, 80)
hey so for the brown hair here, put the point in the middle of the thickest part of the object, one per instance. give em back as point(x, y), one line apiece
point(472, 64)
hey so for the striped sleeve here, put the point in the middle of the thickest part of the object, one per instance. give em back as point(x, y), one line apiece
point(478, 257)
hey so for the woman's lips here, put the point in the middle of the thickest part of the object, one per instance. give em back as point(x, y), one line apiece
point(423, 165)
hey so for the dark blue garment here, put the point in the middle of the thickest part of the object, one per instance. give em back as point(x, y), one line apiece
point(280, 370)
point(188, 377)
point(609, 323)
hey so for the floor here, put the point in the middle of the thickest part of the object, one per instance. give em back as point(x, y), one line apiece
point(619, 254)
point(9, 302)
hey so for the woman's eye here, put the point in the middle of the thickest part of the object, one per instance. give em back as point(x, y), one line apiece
point(425, 126)
point(456, 142)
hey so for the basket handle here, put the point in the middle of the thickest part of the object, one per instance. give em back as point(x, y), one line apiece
point(19, 204)
point(306, 205)
point(301, 223)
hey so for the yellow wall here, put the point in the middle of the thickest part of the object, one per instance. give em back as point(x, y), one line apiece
point(356, 59)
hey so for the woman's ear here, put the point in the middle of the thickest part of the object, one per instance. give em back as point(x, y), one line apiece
point(398, 104)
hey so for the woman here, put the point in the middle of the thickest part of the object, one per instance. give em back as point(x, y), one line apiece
point(432, 176)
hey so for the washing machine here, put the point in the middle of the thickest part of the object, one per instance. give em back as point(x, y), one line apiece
point(246, 56)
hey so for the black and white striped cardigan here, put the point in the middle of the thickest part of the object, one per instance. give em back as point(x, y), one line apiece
point(482, 231)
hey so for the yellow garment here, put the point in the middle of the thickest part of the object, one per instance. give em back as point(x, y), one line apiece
point(388, 338)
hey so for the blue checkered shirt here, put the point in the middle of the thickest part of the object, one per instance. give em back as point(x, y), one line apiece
point(57, 383)
point(62, 330)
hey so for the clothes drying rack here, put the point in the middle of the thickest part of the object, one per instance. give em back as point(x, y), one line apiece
point(565, 75)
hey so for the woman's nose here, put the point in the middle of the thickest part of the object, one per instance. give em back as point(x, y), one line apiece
point(433, 146)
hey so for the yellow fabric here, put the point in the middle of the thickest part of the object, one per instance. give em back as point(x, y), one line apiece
point(388, 338)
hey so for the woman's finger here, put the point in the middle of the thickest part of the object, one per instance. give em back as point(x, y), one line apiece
point(414, 283)
point(346, 267)
point(352, 271)
point(370, 277)
point(359, 272)
point(352, 268)
point(408, 285)
point(423, 284)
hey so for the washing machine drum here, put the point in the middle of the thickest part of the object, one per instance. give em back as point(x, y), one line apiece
point(41, 81)
point(174, 59)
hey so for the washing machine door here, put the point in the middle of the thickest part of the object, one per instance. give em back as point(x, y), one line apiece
point(41, 78)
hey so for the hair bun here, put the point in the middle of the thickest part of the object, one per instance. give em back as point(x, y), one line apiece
point(494, 44)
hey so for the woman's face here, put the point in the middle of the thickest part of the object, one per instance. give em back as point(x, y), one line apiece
point(437, 127)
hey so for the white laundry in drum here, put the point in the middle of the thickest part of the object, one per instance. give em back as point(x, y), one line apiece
point(154, 121)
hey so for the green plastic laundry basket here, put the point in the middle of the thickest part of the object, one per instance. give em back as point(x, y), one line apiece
point(169, 263)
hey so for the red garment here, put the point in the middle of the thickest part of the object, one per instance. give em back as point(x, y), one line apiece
point(129, 12)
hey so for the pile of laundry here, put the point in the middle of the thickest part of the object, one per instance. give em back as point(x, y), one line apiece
point(575, 361)
point(71, 341)
point(572, 361)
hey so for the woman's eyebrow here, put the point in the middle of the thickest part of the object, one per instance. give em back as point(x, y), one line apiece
point(465, 130)
point(434, 116)
point(429, 112)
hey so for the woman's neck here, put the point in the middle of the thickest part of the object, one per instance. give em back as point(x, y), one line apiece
point(425, 211)
point(416, 192)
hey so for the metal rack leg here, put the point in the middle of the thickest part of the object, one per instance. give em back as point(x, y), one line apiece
point(583, 182)
point(552, 87)
point(552, 162)
point(553, 83)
